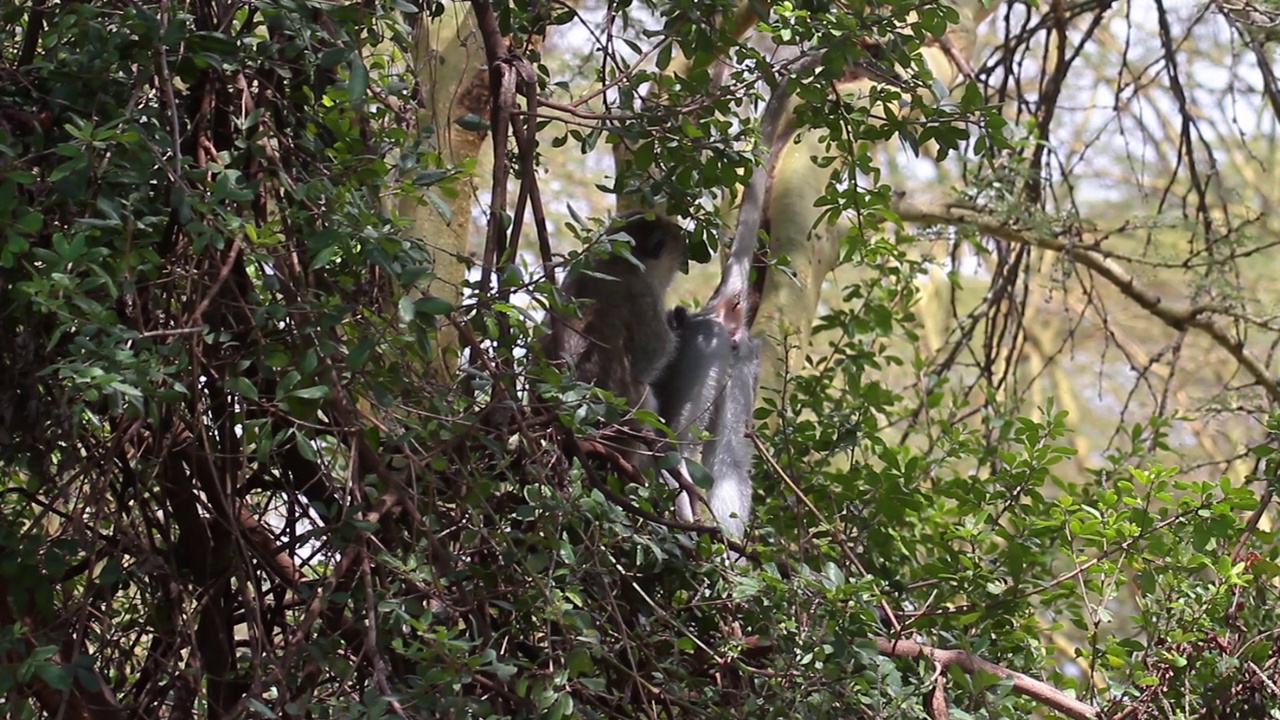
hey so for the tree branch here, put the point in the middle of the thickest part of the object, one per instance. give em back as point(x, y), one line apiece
point(1178, 318)
point(1042, 693)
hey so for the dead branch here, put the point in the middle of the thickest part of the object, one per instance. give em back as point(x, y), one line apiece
point(1177, 317)
point(1047, 695)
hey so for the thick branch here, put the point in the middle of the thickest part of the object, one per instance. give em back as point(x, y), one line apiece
point(1179, 318)
point(1042, 693)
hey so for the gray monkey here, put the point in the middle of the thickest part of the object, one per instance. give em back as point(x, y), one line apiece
point(710, 387)
point(690, 387)
point(730, 451)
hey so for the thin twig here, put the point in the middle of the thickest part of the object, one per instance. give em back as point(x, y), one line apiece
point(841, 540)
point(1176, 317)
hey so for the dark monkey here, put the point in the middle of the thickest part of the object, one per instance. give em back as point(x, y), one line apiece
point(624, 339)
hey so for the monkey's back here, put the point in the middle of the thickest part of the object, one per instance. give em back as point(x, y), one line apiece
point(622, 341)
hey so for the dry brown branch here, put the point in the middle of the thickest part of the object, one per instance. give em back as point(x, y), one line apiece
point(938, 698)
point(1045, 694)
point(1180, 318)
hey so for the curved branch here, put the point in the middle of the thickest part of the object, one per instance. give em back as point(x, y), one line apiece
point(1042, 693)
point(1179, 318)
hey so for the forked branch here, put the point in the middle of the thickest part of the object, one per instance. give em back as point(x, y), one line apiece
point(1179, 317)
point(1042, 693)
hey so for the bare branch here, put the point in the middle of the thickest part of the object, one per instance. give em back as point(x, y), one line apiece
point(1045, 694)
point(1179, 318)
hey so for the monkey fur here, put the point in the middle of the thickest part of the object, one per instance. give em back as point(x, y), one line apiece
point(710, 387)
point(729, 453)
point(690, 387)
point(624, 338)
point(711, 384)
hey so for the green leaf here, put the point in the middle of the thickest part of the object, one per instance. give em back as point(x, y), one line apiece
point(74, 165)
point(333, 57)
point(306, 448)
point(700, 475)
point(315, 392)
point(126, 389)
point(410, 276)
point(261, 708)
point(405, 309)
point(431, 305)
point(223, 46)
point(30, 222)
point(472, 122)
point(242, 387)
point(358, 81)
point(57, 676)
point(427, 178)
point(324, 257)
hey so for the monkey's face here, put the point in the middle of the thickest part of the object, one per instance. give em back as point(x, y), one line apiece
point(660, 245)
point(671, 258)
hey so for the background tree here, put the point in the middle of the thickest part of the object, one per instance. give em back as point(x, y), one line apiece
point(243, 476)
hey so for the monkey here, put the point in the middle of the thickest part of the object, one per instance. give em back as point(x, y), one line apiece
point(625, 336)
point(690, 387)
point(710, 385)
point(696, 371)
point(730, 451)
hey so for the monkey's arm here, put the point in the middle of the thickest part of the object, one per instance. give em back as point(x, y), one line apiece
point(711, 386)
point(730, 301)
point(696, 374)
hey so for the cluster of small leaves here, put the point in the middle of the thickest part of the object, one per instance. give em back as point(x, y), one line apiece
point(961, 521)
point(683, 130)
point(964, 527)
point(196, 274)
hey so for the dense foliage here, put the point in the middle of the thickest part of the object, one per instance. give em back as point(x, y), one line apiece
point(241, 481)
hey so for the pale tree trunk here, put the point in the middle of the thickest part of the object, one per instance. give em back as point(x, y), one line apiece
point(790, 299)
point(449, 63)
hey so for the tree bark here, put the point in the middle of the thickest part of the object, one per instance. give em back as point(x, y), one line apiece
point(789, 302)
point(449, 65)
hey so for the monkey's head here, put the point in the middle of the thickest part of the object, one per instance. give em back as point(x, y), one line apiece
point(660, 245)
